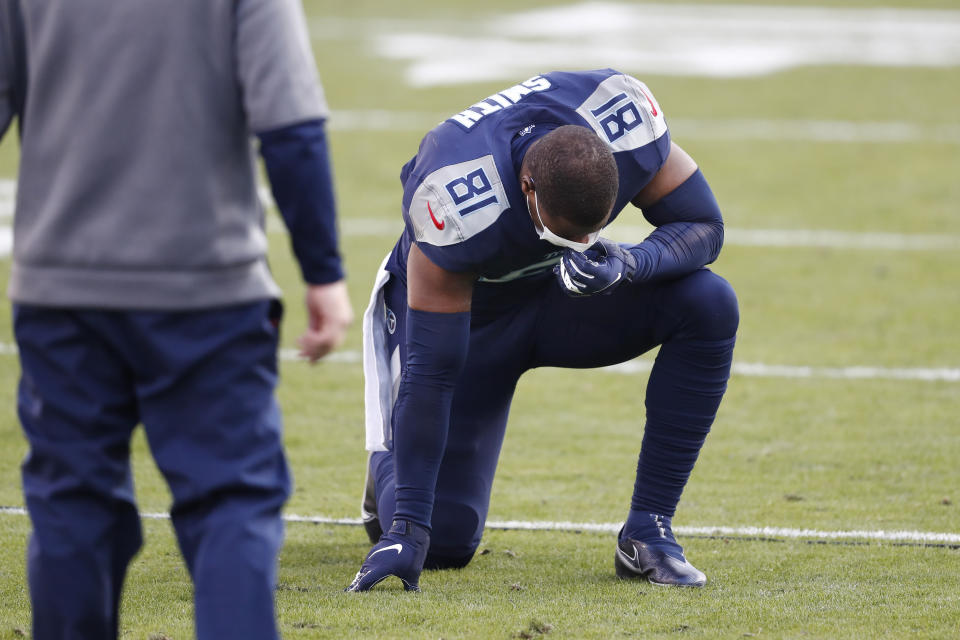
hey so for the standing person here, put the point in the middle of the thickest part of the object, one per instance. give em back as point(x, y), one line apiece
point(141, 289)
point(503, 201)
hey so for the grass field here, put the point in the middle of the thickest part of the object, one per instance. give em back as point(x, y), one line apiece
point(831, 450)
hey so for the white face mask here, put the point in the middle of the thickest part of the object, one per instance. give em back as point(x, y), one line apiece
point(545, 234)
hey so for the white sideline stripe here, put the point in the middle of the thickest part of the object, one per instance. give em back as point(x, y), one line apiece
point(751, 369)
point(614, 527)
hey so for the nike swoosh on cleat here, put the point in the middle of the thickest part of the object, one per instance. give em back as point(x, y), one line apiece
point(394, 547)
point(634, 561)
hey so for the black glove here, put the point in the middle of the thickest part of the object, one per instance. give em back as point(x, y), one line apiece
point(599, 269)
point(400, 552)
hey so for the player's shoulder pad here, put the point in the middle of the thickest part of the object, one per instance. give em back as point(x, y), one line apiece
point(623, 111)
point(456, 202)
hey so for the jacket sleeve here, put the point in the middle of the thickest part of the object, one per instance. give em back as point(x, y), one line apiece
point(275, 65)
point(12, 63)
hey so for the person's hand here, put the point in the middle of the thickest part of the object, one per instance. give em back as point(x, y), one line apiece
point(328, 316)
point(400, 552)
point(599, 269)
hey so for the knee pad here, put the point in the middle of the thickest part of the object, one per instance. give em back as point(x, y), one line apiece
point(441, 561)
point(708, 306)
point(457, 528)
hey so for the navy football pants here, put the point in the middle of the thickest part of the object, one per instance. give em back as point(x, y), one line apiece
point(695, 320)
point(202, 384)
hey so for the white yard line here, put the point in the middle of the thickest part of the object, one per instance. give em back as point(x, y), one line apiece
point(672, 39)
point(613, 527)
point(733, 237)
point(8, 192)
point(859, 372)
point(830, 239)
point(802, 130)
point(759, 531)
point(811, 238)
point(785, 238)
point(750, 369)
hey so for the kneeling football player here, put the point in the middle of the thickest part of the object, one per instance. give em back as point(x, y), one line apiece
point(500, 269)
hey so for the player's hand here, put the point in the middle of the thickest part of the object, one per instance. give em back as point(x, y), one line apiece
point(328, 316)
point(599, 269)
point(400, 552)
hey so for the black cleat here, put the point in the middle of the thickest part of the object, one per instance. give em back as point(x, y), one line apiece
point(371, 524)
point(660, 564)
point(368, 509)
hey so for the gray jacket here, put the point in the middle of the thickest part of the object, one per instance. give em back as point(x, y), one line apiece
point(136, 185)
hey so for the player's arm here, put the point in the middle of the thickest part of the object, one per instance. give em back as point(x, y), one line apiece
point(677, 168)
point(689, 226)
point(435, 289)
point(688, 235)
point(438, 332)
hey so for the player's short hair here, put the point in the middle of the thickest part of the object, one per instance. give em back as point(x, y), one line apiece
point(575, 175)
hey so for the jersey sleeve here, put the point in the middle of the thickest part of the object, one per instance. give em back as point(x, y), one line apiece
point(275, 65)
point(624, 113)
point(452, 211)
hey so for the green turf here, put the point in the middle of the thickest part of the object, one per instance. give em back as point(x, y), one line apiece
point(804, 453)
point(517, 588)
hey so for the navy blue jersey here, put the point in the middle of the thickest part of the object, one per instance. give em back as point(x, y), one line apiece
point(462, 202)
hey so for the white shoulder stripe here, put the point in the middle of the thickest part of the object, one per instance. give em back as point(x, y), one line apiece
point(456, 202)
point(623, 112)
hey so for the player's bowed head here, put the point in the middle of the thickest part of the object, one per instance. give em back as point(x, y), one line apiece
point(570, 180)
